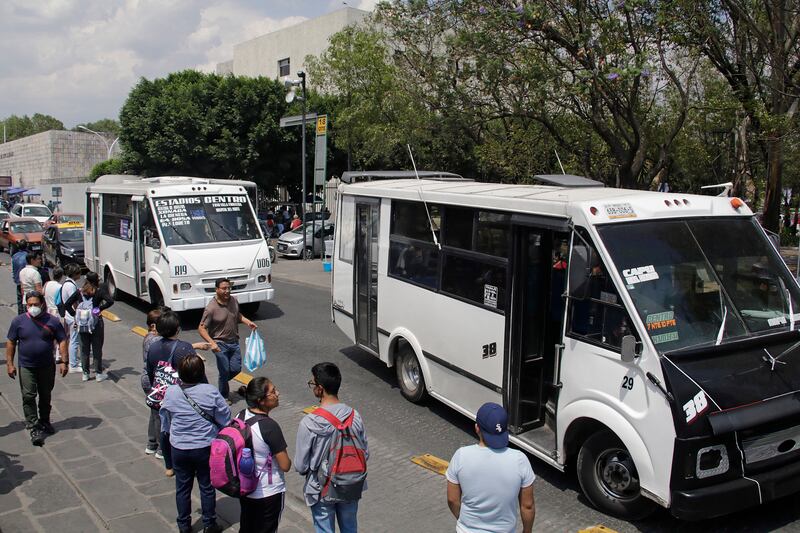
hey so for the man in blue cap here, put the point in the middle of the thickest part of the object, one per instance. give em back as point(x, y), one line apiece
point(486, 481)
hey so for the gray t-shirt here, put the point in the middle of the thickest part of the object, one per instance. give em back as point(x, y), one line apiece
point(490, 482)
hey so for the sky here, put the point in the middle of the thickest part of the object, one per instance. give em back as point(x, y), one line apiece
point(77, 59)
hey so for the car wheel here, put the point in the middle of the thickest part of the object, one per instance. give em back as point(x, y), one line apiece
point(309, 253)
point(608, 477)
point(273, 255)
point(409, 375)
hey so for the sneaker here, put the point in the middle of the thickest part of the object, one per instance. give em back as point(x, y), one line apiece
point(85, 377)
point(213, 528)
point(102, 376)
point(75, 369)
point(47, 427)
point(159, 454)
point(37, 437)
point(150, 451)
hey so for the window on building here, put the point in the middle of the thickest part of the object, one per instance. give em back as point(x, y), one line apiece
point(283, 67)
point(117, 216)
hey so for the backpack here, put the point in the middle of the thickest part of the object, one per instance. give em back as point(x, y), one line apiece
point(59, 299)
point(344, 470)
point(226, 452)
point(164, 376)
point(84, 318)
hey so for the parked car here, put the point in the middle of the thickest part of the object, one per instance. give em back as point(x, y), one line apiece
point(60, 218)
point(13, 230)
point(38, 211)
point(63, 243)
point(291, 243)
point(4, 214)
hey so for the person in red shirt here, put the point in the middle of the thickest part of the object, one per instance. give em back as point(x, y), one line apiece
point(295, 222)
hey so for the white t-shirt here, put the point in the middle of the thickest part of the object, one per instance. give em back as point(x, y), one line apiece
point(51, 288)
point(29, 277)
point(490, 482)
point(261, 449)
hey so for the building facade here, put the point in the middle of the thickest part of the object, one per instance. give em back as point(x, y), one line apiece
point(53, 157)
point(283, 52)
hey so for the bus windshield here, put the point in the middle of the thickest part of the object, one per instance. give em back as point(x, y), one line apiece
point(205, 218)
point(702, 281)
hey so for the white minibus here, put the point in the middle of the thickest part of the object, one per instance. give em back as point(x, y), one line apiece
point(167, 239)
point(645, 339)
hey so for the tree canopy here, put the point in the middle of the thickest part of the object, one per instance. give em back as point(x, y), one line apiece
point(17, 127)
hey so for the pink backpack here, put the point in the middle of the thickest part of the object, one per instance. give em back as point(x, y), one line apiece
point(226, 452)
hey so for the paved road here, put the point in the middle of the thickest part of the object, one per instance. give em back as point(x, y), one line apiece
point(93, 474)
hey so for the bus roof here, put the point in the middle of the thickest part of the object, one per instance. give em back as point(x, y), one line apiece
point(164, 185)
point(597, 205)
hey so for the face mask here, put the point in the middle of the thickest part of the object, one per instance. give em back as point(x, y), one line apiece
point(35, 311)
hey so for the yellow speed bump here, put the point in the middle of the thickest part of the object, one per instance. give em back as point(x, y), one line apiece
point(431, 462)
point(139, 330)
point(310, 409)
point(108, 315)
point(597, 529)
point(243, 378)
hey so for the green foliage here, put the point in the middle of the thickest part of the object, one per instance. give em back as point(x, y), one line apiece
point(115, 165)
point(104, 125)
point(197, 124)
point(18, 127)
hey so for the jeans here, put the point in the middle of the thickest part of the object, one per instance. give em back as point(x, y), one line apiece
point(229, 363)
point(32, 382)
point(326, 514)
point(74, 343)
point(166, 449)
point(93, 342)
point(153, 430)
point(191, 464)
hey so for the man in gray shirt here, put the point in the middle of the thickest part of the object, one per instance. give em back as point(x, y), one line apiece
point(314, 438)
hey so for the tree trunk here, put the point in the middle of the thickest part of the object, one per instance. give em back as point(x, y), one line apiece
point(741, 165)
point(772, 201)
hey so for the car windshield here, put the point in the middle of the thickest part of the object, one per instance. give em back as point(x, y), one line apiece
point(205, 218)
point(29, 226)
point(309, 227)
point(71, 234)
point(703, 281)
point(70, 218)
point(36, 211)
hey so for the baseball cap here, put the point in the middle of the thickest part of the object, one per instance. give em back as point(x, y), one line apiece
point(493, 421)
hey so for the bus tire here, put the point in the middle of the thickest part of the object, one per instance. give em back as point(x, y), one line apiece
point(108, 277)
point(409, 375)
point(156, 298)
point(608, 477)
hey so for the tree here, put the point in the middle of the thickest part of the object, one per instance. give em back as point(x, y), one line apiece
point(115, 165)
point(197, 124)
point(104, 125)
point(18, 127)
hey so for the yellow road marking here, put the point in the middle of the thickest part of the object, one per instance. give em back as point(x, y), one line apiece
point(243, 378)
point(310, 409)
point(597, 529)
point(139, 330)
point(431, 462)
point(108, 315)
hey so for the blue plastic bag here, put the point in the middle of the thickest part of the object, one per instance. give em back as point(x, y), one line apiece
point(255, 354)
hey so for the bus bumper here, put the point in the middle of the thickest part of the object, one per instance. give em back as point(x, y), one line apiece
point(200, 302)
point(736, 494)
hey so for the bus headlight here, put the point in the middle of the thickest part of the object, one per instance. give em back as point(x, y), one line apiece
point(185, 286)
point(262, 278)
point(711, 461)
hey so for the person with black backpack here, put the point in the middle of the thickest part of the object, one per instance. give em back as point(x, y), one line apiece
point(261, 509)
point(72, 273)
point(332, 454)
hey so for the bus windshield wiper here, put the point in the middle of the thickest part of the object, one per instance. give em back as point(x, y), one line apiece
point(223, 228)
point(181, 235)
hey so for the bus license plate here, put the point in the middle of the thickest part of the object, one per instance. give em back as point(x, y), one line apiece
point(620, 211)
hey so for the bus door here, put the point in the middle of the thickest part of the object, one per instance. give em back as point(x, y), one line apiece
point(538, 273)
point(366, 273)
point(140, 218)
point(92, 253)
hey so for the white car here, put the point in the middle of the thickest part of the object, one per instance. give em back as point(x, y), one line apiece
point(38, 211)
point(290, 243)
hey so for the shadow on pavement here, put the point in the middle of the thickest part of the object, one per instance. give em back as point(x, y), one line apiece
point(370, 363)
point(12, 427)
point(77, 422)
point(12, 473)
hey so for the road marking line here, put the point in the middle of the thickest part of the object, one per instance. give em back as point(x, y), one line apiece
point(308, 410)
point(108, 315)
point(243, 378)
point(139, 330)
point(431, 462)
point(597, 529)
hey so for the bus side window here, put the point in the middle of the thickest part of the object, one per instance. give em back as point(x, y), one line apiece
point(596, 312)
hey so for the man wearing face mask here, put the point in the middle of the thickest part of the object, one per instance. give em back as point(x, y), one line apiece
point(34, 333)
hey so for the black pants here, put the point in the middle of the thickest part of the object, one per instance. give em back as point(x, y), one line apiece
point(20, 307)
point(33, 382)
point(93, 342)
point(261, 515)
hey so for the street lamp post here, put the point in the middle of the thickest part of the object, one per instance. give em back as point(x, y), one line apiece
point(290, 96)
point(105, 141)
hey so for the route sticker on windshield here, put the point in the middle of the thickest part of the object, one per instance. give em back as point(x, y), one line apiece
point(490, 296)
point(777, 321)
point(660, 320)
point(620, 211)
point(639, 274)
point(665, 337)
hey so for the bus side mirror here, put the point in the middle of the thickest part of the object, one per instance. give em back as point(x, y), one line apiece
point(628, 349)
point(155, 244)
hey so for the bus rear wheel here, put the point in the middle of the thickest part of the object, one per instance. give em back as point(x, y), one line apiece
point(608, 477)
point(409, 375)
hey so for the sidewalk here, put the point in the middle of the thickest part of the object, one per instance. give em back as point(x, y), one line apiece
point(294, 270)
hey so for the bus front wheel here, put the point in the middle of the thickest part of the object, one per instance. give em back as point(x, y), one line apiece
point(609, 479)
point(111, 284)
point(409, 375)
point(156, 298)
